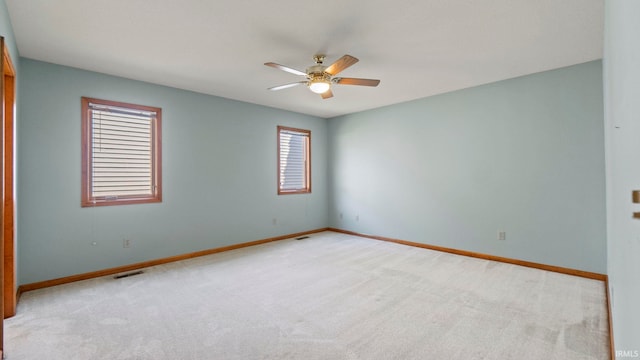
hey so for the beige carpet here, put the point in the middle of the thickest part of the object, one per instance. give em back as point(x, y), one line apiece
point(331, 296)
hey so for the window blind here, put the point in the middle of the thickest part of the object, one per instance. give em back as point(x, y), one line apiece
point(121, 152)
point(293, 160)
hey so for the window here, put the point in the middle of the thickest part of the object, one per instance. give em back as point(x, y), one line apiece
point(294, 160)
point(121, 153)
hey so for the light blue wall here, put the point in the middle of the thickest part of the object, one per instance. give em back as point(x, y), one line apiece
point(219, 176)
point(523, 155)
point(622, 129)
point(6, 30)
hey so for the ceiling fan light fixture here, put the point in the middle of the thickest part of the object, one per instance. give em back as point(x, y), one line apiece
point(319, 86)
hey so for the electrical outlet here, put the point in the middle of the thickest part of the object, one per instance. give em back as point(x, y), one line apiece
point(502, 235)
point(357, 217)
point(341, 216)
point(126, 243)
point(274, 221)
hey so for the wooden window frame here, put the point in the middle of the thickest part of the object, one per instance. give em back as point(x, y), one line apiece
point(307, 172)
point(87, 200)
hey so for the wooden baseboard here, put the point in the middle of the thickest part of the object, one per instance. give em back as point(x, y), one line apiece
point(145, 264)
point(558, 269)
point(610, 318)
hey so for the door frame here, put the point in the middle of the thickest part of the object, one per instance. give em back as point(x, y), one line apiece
point(8, 215)
point(7, 210)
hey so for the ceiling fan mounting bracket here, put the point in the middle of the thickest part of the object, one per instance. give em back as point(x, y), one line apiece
point(319, 58)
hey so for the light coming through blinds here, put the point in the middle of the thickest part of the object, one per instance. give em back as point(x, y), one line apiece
point(293, 160)
point(121, 152)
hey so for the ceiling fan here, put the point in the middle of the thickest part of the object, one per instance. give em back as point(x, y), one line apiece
point(320, 77)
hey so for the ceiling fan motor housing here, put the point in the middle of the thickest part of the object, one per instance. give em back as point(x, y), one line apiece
point(315, 70)
point(319, 76)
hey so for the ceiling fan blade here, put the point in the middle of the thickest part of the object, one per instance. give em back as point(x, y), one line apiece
point(327, 94)
point(356, 81)
point(286, 86)
point(341, 64)
point(286, 68)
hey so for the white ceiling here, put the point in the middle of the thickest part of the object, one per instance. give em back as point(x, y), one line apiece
point(417, 48)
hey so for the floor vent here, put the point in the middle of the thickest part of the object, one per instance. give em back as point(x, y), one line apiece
point(128, 274)
point(302, 238)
